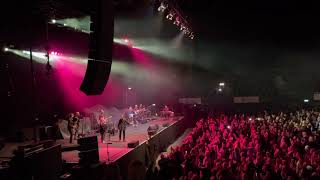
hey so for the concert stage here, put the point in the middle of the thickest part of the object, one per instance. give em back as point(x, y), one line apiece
point(120, 155)
point(117, 148)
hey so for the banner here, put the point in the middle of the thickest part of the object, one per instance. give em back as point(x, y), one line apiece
point(190, 100)
point(246, 99)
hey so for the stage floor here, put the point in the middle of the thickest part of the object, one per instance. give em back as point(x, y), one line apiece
point(118, 148)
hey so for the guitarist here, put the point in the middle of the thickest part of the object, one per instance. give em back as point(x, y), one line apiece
point(76, 121)
point(72, 125)
point(122, 124)
point(103, 123)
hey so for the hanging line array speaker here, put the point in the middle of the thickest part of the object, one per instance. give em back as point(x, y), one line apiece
point(100, 48)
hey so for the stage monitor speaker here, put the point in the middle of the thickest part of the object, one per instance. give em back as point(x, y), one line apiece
point(89, 150)
point(88, 143)
point(133, 144)
point(100, 48)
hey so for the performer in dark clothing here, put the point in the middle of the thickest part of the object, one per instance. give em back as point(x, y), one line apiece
point(71, 126)
point(102, 125)
point(122, 127)
point(76, 121)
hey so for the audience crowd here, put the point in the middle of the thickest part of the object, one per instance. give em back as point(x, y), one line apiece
point(269, 146)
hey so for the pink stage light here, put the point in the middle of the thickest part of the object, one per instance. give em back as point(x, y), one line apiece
point(126, 39)
point(55, 53)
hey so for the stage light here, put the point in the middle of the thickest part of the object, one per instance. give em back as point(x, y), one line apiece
point(229, 127)
point(25, 52)
point(250, 119)
point(220, 89)
point(5, 49)
point(126, 40)
point(306, 100)
point(221, 84)
point(162, 7)
point(64, 24)
point(170, 15)
point(53, 21)
point(182, 28)
point(194, 105)
point(191, 36)
point(129, 88)
point(54, 53)
point(177, 21)
point(153, 104)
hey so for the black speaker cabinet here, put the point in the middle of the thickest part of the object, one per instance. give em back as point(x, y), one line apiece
point(133, 144)
point(100, 48)
point(96, 77)
point(89, 150)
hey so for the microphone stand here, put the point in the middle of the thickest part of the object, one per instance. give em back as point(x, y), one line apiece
point(108, 160)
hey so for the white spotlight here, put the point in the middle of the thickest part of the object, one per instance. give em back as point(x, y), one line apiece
point(53, 21)
point(220, 89)
point(170, 15)
point(5, 49)
point(306, 100)
point(221, 84)
point(64, 24)
point(129, 88)
point(191, 36)
point(162, 7)
point(177, 21)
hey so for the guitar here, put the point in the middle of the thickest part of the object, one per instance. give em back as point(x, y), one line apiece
point(103, 120)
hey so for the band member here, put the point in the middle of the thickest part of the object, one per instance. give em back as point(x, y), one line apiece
point(102, 125)
point(122, 125)
point(71, 126)
point(76, 120)
point(165, 109)
point(135, 115)
point(136, 108)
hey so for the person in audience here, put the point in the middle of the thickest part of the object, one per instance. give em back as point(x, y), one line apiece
point(271, 146)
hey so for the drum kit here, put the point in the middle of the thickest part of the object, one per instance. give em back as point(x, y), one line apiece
point(140, 115)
